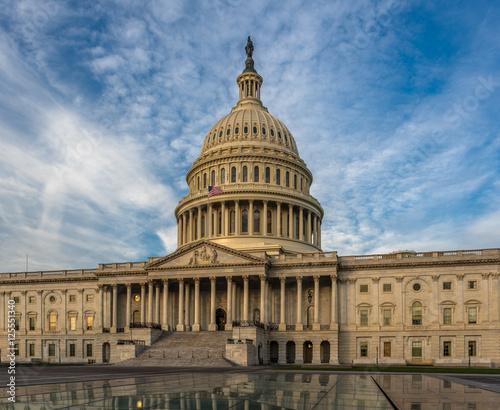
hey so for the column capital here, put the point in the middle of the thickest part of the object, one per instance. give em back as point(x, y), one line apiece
point(23, 292)
point(165, 281)
point(278, 203)
point(180, 280)
point(486, 275)
point(399, 279)
point(237, 201)
point(495, 275)
point(283, 279)
point(128, 285)
point(150, 281)
point(196, 279)
point(212, 278)
point(375, 280)
point(80, 291)
point(299, 278)
point(262, 277)
point(245, 277)
point(435, 278)
point(460, 276)
point(63, 291)
point(229, 279)
point(351, 281)
point(143, 284)
point(265, 201)
point(316, 277)
point(334, 278)
point(40, 292)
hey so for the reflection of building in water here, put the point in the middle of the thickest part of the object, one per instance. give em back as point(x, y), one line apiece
point(250, 263)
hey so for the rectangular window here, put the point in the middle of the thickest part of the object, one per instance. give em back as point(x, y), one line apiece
point(72, 323)
point(52, 350)
point(387, 287)
point(387, 317)
point(31, 349)
point(472, 348)
point(472, 284)
point(90, 322)
point(363, 318)
point(72, 350)
point(90, 298)
point(32, 323)
point(363, 349)
point(447, 316)
point(16, 323)
point(16, 299)
point(89, 350)
point(72, 298)
point(387, 349)
point(447, 349)
point(16, 349)
point(363, 288)
point(32, 300)
point(446, 285)
point(472, 315)
point(416, 349)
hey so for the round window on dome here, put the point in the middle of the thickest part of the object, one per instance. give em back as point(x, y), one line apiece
point(245, 130)
point(228, 131)
point(279, 135)
point(255, 130)
point(213, 138)
point(286, 139)
point(263, 131)
point(272, 132)
point(220, 134)
point(236, 130)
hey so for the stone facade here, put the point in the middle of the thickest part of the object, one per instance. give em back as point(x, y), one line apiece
point(249, 260)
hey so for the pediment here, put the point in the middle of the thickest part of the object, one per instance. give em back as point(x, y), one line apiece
point(204, 254)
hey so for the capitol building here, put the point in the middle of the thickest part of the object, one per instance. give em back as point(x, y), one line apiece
point(250, 284)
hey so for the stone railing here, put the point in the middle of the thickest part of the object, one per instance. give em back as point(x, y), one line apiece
point(122, 266)
point(48, 274)
point(145, 325)
point(306, 257)
point(249, 323)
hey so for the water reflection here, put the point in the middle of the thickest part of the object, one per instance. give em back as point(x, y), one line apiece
point(269, 391)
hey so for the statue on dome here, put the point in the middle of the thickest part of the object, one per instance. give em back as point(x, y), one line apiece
point(249, 52)
point(249, 48)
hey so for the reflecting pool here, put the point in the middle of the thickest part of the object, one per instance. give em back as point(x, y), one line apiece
point(267, 390)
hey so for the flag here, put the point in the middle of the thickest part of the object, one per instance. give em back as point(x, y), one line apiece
point(214, 190)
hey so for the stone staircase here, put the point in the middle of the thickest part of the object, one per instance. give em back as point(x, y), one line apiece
point(185, 349)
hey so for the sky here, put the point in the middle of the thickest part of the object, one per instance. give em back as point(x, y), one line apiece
point(104, 106)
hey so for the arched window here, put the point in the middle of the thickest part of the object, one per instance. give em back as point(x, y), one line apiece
point(203, 226)
point(223, 176)
point(287, 179)
point(301, 184)
point(278, 177)
point(233, 174)
point(244, 221)
point(268, 175)
point(52, 320)
point(269, 222)
point(297, 222)
point(136, 317)
point(199, 183)
point(219, 215)
point(295, 181)
point(256, 315)
point(245, 173)
point(256, 174)
point(256, 221)
point(204, 180)
point(232, 222)
point(195, 226)
point(213, 178)
point(416, 313)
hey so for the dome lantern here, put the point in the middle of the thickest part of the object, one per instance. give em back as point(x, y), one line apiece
point(249, 81)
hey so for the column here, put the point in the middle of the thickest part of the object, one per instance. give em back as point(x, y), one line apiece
point(212, 326)
point(80, 292)
point(333, 314)
point(40, 323)
point(435, 295)
point(229, 321)
point(184, 230)
point(143, 302)
point(486, 310)
point(351, 305)
point(316, 324)
point(196, 324)
point(157, 303)
point(299, 325)
point(223, 218)
point(3, 310)
point(319, 232)
point(290, 221)
point(233, 301)
point(237, 216)
point(278, 219)
point(100, 311)
point(308, 231)
point(186, 307)
point(245, 298)
point(494, 294)
point(264, 232)
point(114, 320)
point(301, 223)
point(198, 222)
point(282, 325)
point(262, 298)
point(209, 216)
point(459, 317)
point(65, 310)
point(179, 234)
point(127, 310)
point(376, 292)
point(164, 324)
point(190, 227)
point(180, 324)
point(315, 231)
point(150, 301)
point(250, 217)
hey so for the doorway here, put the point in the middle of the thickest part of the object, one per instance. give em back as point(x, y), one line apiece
point(308, 352)
point(106, 352)
point(274, 352)
point(220, 319)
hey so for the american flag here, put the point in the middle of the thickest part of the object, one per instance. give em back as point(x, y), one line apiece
point(214, 190)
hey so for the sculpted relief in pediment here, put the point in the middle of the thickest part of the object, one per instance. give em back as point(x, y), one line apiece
point(205, 256)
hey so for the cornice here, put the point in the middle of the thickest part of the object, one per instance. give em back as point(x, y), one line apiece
point(58, 280)
point(122, 273)
point(215, 266)
point(400, 265)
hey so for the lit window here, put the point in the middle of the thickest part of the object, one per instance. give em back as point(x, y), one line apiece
point(472, 284)
point(52, 321)
point(32, 300)
point(447, 316)
point(416, 313)
point(90, 322)
point(363, 349)
point(447, 349)
point(472, 348)
point(213, 178)
point(446, 285)
point(363, 318)
point(232, 222)
point(416, 349)
point(472, 315)
point(387, 317)
point(90, 298)
point(387, 287)
point(363, 288)
point(269, 222)
point(256, 221)
point(223, 176)
point(233, 174)
point(387, 349)
point(72, 323)
point(72, 298)
point(278, 177)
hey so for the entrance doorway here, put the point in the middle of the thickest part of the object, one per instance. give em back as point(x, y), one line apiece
point(220, 319)
point(290, 352)
point(308, 352)
point(325, 351)
point(106, 352)
point(274, 352)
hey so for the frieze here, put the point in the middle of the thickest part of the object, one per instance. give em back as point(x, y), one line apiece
point(207, 256)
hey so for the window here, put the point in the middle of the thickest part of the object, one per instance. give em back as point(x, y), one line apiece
point(446, 285)
point(244, 221)
point(204, 180)
point(232, 222)
point(16, 349)
point(472, 315)
point(387, 287)
point(363, 317)
point(287, 179)
point(256, 174)
point(269, 222)
point(72, 323)
point(256, 221)
point(447, 348)
point(52, 321)
point(213, 178)
point(16, 323)
point(363, 349)
point(416, 287)
point(263, 131)
point(52, 350)
point(254, 129)
point(16, 299)
point(72, 298)
point(268, 175)
point(32, 323)
point(387, 349)
point(472, 348)
point(363, 288)
point(387, 317)
point(416, 349)
point(233, 174)
point(203, 225)
point(416, 313)
point(447, 316)
point(90, 298)
point(245, 129)
point(89, 350)
point(31, 349)
point(72, 350)
point(472, 284)
point(223, 176)
point(295, 181)
point(32, 300)
point(90, 322)
point(278, 177)
point(245, 173)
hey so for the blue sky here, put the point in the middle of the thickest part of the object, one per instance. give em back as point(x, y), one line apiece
point(104, 106)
